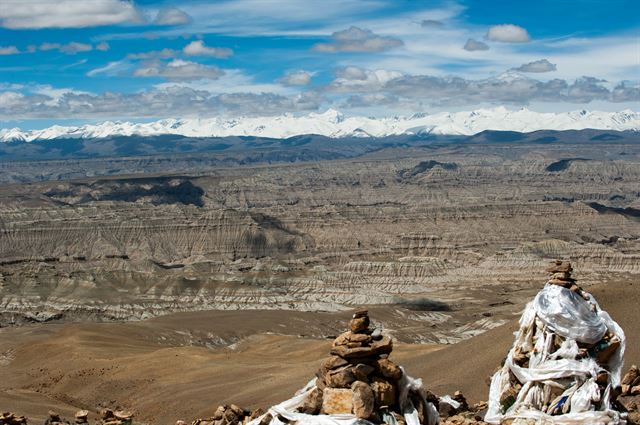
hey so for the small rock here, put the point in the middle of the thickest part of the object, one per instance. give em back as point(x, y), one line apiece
point(631, 378)
point(389, 370)
point(361, 312)
point(256, 413)
point(362, 371)
point(385, 392)
point(361, 338)
point(123, 415)
point(359, 324)
point(82, 416)
point(106, 414)
point(266, 419)
point(239, 411)
point(341, 378)
point(363, 400)
point(376, 334)
point(230, 416)
point(446, 410)
point(312, 403)
point(219, 413)
point(630, 402)
point(333, 362)
point(460, 398)
point(337, 400)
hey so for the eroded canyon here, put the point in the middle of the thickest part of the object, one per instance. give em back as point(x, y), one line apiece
point(449, 238)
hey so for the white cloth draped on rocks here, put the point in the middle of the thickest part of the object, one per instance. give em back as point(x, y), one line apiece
point(563, 366)
point(288, 409)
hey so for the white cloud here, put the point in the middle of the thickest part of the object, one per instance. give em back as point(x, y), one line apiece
point(178, 69)
point(431, 23)
point(233, 81)
point(70, 48)
point(74, 64)
point(197, 48)
point(296, 78)
point(154, 54)
point(541, 65)
point(508, 88)
point(474, 45)
point(508, 33)
point(172, 16)
point(112, 68)
point(369, 89)
point(160, 102)
point(355, 79)
point(8, 50)
point(356, 39)
point(35, 14)
point(103, 46)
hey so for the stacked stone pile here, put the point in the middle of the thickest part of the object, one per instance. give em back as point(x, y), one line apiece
point(560, 328)
point(358, 378)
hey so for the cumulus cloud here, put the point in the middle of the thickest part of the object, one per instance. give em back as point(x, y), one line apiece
point(538, 66)
point(172, 16)
point(356, 39)
point(197, 48)
point(352, 87)
point(626, 91)
point(509, 88)
point(355, 79)
point(431, 23)
point(296, 78)
point(154, 54)
point(103, 46)
point(505, 89)
point(36, 14)
point(168, 101)
point(70, 48)
point(474, 45)
point(508, 33)
point(9, 50)
point(178, 69)
point(370, 99)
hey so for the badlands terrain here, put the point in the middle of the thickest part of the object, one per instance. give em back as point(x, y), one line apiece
point(171, 283)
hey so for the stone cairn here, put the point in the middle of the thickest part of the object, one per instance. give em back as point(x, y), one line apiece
point(359, 378)
point(537, 343)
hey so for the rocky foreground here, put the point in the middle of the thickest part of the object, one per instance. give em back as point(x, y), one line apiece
point(452, 411)
point(357, 378)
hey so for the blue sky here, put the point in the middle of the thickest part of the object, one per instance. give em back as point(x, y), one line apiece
point(69, 61)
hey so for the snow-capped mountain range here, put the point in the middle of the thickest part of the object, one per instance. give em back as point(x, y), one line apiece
point(333, 124)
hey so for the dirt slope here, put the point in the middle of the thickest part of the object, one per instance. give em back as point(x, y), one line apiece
point(130, 364)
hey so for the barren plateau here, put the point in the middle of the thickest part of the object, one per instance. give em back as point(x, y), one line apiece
point(231, 275)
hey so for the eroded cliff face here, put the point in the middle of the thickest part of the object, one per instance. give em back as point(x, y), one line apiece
point(454, 237)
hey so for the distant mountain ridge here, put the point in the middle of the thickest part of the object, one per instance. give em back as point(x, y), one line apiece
point(334, 124)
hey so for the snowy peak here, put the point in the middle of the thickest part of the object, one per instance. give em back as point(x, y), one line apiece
point(332, 123)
